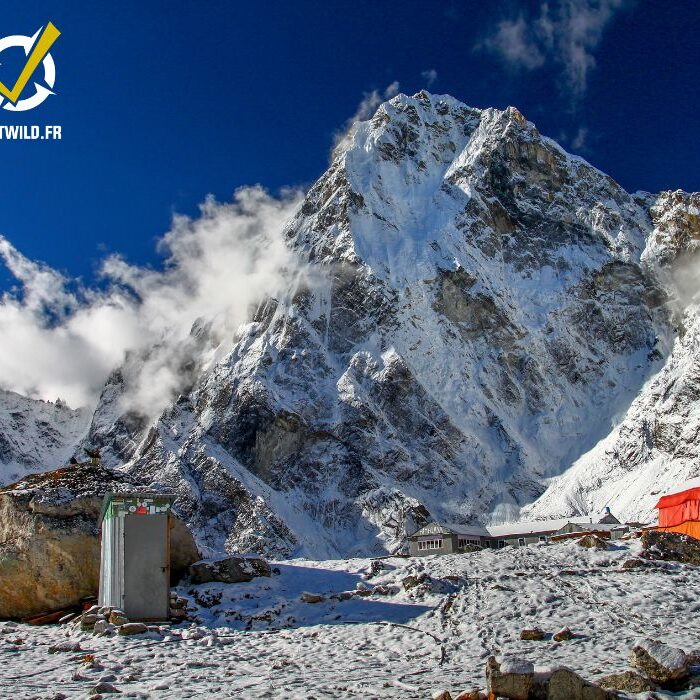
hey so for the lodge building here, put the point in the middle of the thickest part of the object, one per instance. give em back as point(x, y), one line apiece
point(443, 538)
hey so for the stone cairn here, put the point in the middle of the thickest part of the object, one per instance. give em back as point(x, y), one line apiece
point(106, 621)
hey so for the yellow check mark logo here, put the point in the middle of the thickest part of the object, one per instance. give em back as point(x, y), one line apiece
point(39, 51)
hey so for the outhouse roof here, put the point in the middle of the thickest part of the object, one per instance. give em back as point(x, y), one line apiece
point(126, 495)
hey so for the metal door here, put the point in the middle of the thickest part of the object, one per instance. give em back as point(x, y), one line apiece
point(146, 567)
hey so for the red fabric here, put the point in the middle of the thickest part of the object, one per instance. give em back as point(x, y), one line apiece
point(681, 513)
point(675, 499)
point(692, 529)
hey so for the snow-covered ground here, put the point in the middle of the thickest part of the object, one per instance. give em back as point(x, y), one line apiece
point(260, 640)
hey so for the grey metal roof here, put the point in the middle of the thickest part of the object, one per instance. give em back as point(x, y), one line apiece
point(441, 528)
point(111, 495)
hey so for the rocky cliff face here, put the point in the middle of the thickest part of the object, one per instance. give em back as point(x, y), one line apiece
point(656, 445)
point(479, 311)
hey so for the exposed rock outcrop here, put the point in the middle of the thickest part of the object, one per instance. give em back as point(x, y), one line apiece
point(229, 570)
point(670, 546)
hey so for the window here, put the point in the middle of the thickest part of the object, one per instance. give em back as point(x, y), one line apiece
point(501, 544)
point(429, 544)
point(543, 538)
point(521, 541)
point(464, 541)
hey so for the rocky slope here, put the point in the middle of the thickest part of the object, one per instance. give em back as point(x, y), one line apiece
point(657, 444)
point(36, 435)
point(480, 309)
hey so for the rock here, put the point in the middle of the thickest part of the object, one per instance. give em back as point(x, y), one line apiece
point(441, 695)
point(592, 542)
point(564, 684)
point(670, 546)
point(534, 635)
point(88, 620)
point(632, 563)
point(64, 647)
point(414, 580)
point(117, 617)
point(100, 627)
point(693, 657)
point(312, 597)
point(471, 695)
point(658, 661)
point(229, 570)
point(510, 678)
point(132, 628)
point(628, 681)
point(49, 539)
point(563, 635)
point(104, 689)
point(376, 566)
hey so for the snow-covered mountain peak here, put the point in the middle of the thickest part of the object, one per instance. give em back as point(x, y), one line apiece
point(36, 435)
point(481, 309)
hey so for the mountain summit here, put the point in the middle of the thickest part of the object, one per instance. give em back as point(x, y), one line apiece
point(481, 310)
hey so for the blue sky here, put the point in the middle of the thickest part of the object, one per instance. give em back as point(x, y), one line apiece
point(164, 102)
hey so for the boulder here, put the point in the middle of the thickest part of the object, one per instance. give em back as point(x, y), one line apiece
point(104, 688)
point(563, 635)
point(628, 681)
point(670, 546)
point(89, 620)
point(312, 597)
point(592, 542)
point(510, 677)
point(229, 569)
point(660, 662)
point(632, 563)
point(533, 635)
point(118, 618)
point(50, 543)
point(441, 695)
point(132, 628)
point(565, 684)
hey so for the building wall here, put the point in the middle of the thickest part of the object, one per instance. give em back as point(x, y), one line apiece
point(448, 545)
point(515, 541)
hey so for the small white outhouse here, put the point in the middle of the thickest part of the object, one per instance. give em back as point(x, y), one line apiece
point(135, 554)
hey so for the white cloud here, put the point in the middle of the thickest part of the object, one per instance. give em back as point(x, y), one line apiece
point(580, 140)
point(430, 76)
point(564, 32)
point(514, 43)
point(61, 339)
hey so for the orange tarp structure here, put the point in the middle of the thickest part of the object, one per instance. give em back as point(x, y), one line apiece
point(680, 512)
